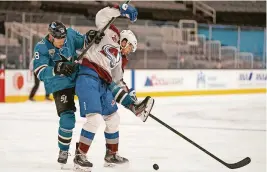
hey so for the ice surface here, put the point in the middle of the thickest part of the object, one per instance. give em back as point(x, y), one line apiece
point(231, 127)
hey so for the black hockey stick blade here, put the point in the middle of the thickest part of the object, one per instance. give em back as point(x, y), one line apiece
point(239, 164)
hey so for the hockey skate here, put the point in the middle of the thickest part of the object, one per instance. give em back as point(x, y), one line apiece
point(62, 158)
point(81, 164)
point(112, 159)
point(143, 108)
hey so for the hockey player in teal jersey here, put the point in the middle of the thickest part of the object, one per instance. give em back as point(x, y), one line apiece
point(52, 64)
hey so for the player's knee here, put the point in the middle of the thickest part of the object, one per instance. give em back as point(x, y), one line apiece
point(112, 123)
point(93, 121)
point(67, 120)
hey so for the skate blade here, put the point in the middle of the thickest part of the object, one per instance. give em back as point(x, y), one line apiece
point(114, 165)
point(148, 109)
point(64, 167)
point(78, 168)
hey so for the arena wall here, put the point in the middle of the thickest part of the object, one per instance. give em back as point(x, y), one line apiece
point(15, 85)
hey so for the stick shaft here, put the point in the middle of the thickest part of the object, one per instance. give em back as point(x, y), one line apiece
point(236, 165)
point(101, 31)
point(186, 138)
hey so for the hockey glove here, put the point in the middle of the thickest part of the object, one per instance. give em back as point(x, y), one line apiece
point(129, 12)
point(65, 68)
point(91, 34)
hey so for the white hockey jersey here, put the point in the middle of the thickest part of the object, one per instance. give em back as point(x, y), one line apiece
point(105, 58)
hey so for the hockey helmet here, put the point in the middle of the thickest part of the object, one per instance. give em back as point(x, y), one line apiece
point(57, 30)
point(130, 37)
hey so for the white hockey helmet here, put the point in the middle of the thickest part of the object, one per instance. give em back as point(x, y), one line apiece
point(129, 35)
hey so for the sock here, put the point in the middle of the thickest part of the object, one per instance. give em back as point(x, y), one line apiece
point(64, 138)
point(66, 125)
point(112, 141)
point(86, 139)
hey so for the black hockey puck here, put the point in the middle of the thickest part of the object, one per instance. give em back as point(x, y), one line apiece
point(155, 166)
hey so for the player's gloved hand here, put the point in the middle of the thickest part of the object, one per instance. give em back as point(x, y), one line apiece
point(132, 93)
point(129, 11)
point(92, 33)
point(65, 68)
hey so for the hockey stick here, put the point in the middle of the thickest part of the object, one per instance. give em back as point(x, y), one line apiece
point(239, 164)
point(101, 31)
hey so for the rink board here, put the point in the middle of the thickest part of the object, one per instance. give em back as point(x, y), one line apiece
point(161, 83)
point(156, 83)
point(18, 84)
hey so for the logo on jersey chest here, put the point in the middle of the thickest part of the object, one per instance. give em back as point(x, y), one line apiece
point(51, 52)
point(60, 54)
point(112, 53)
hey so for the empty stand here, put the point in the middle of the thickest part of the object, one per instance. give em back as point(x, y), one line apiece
point(238, 6)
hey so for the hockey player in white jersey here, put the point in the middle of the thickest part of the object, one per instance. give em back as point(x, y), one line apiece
point(128, 44)
point(95, 89)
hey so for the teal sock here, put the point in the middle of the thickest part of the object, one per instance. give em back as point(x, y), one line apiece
point(66, 125)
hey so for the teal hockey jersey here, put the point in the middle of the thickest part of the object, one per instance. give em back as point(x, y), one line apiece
point(46, 55)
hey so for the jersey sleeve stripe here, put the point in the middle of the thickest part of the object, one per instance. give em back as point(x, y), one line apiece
point(39, 71)
point(36, 71)
point(120, 96)
point(118, 93)
point(120, 101)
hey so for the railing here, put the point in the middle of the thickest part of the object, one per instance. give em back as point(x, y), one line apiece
point(206, 9)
